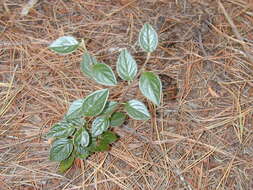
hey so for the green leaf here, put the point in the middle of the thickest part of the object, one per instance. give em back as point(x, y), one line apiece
point(151, 87)
point(64, 45)
point(117, 119)
point(87, 64)
point(75, 109)
point(109, 108)
point(148, 38)
point(108, 137)
point(82, 137)
point(94, 103)
point(103, 74)
point(61, 129)
point(61, 149)
point(104, 142)
point(66, 164)
point(99, 125)
point(126, 66)
point(137, 110)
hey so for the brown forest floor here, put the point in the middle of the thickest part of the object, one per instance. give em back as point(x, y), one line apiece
point(200, 139)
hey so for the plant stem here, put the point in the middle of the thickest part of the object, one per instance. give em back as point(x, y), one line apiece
point(83, 46)
point(145, 63)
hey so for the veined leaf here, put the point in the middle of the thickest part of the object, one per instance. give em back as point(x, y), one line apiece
point(148, 38)
point(117, 119)
point(67, 163)
point(87, 64)
point(151, 87)
point(109, 108)
point(137, 110)
point(94, 103)
point(103, 74)
point(64, 45)
point(126, 66)
point(61, 149)
point(99, 125)
point(61, 129)
point(75, 122)
point(75, 109)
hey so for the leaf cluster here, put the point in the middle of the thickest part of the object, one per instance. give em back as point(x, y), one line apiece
point(85, 128)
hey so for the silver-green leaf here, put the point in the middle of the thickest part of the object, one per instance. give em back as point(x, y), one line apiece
point(151, 87)
point(94, 103)
point(126, 66)
point(87, 63)
point(64, 45)
point(103, 74)
point(75, 109)
point(99, 125)
point(137, 110)
point(82, 137)
point(148, 38)
point(61, 149)
point(75, 122)
point(61, 129)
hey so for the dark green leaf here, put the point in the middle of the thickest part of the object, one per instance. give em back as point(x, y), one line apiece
point(108, 137)
point(64, 45)
point(99, 125)
point(82, 137)
point(104, 142)
point(126, 66)
point(66, 164)
point(61, 149)
point(75, 109)
point(94, 103)
point(110, 107)
point(103, 74)
point(151, 87)
point(137, 110)
point(148, 38)
point(87, 64)
point(82, 152)
point(117, 119)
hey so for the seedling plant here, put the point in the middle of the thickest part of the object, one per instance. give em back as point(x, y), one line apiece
point(85, 128)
